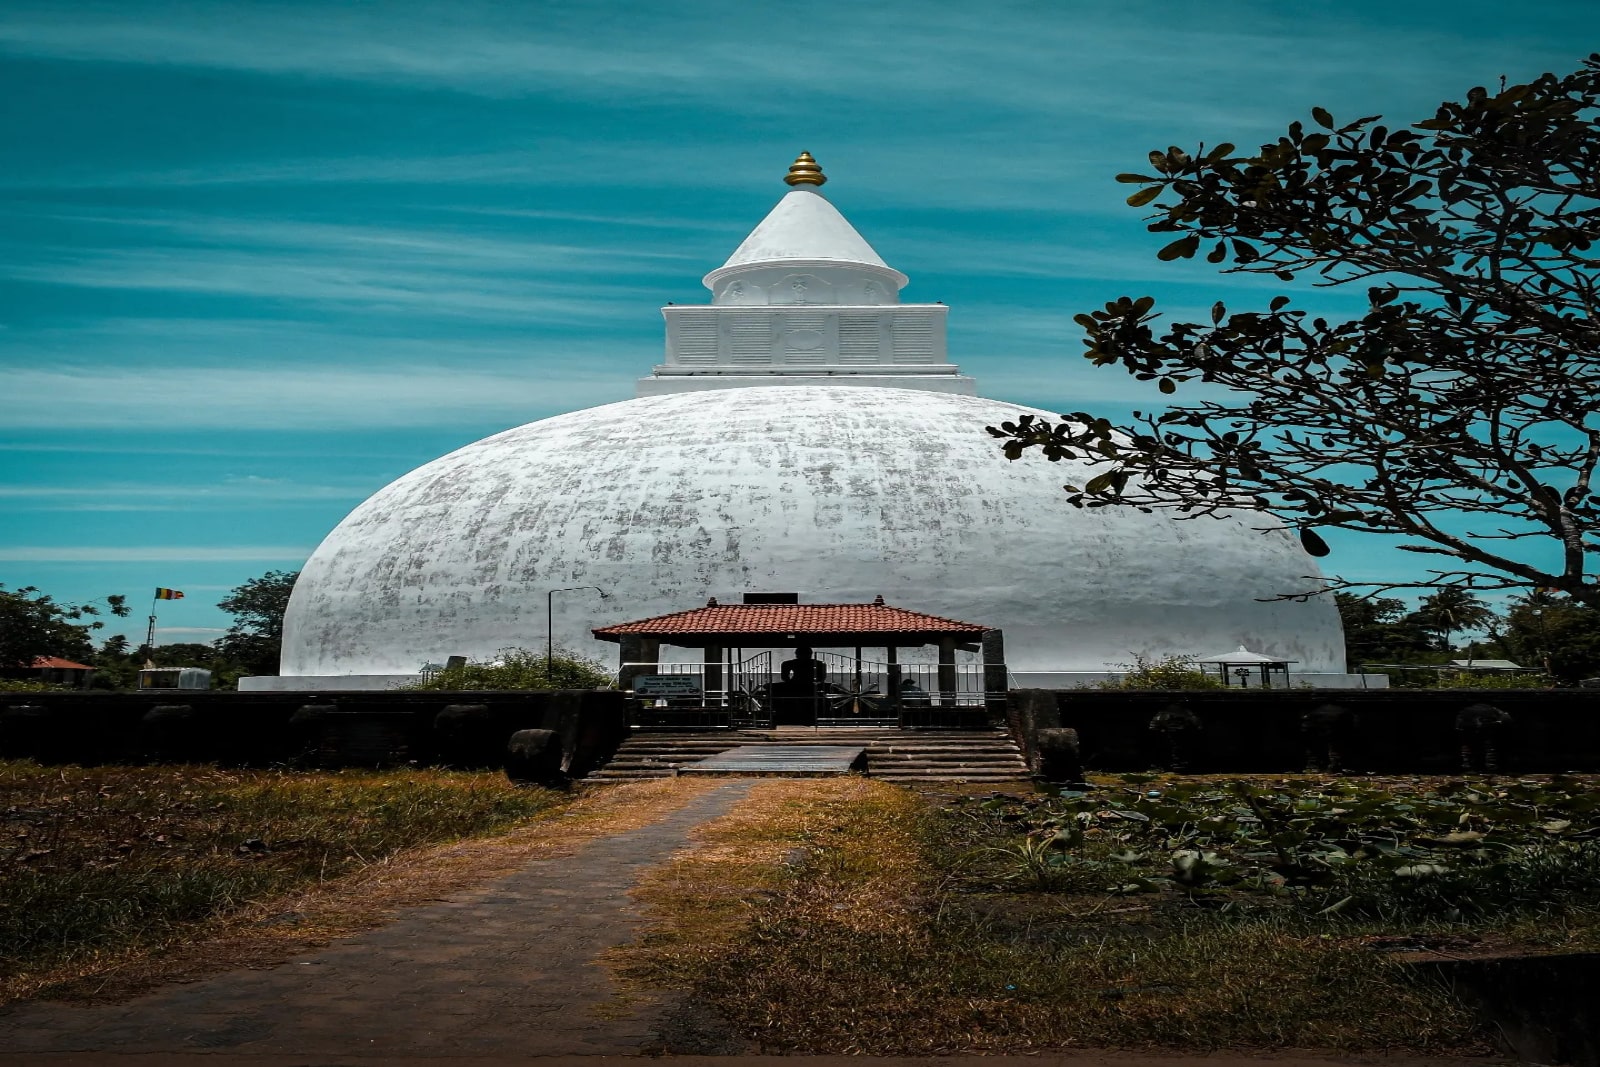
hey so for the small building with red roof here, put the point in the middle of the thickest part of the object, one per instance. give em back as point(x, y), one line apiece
point(828, 682)
point(53, 670)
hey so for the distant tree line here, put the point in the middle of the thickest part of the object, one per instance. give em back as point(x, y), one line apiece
point(1549, 632)
point(1541, 630)
point(34, 625)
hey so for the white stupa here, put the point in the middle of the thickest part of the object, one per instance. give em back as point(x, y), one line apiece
point(806, 432)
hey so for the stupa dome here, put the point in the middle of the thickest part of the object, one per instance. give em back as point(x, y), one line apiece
point(839, 494)
point(806, 433)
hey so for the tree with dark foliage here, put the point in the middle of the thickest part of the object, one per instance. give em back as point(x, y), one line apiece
point(1380, 630)
point(1450, 611)
point(33, 625)
point(1458, 412)
point(1554, 634)
point(255, 640)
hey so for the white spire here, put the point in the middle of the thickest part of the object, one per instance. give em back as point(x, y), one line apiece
point(804, 300)
point(805, 226)
point(804, 229)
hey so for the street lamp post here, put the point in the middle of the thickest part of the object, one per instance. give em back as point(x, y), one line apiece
point(550, 624)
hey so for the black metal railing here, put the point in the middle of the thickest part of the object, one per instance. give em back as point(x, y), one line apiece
point(851, 692)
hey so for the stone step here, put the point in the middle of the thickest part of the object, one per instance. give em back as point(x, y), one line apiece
point(609, 775)
point(942, 768)
point(938, 750)
point(944, 753)
point(941, 751)
point(896, 749)
point(1006, 766)
point(789, 736)
point(980, 779)
point(892, 754)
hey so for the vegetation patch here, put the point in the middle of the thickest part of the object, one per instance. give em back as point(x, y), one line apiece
point(1398, 852)
point(1171, 672)
point(856, 917)
point(520, 668)
point(98, 863)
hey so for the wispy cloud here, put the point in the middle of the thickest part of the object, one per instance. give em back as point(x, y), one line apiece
point(242, 493)
point(325, 397)
point(721, 50)
point(1090, 75)
point(408, 273)
point(660, 222)
point(152, 554)
point(449, 247)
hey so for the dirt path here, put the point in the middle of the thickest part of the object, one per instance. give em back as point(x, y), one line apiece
point(506, 969)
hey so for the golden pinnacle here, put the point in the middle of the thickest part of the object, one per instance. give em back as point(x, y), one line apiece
point(804, 171)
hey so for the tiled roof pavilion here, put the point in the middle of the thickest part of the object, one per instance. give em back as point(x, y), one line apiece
point(875, 624)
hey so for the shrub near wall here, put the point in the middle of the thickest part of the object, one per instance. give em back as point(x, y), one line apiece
point(1410, 731)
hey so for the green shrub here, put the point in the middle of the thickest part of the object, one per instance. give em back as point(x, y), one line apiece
point(1170, 672)
point(1493, 680)
point(28, 685)
point(520, 668)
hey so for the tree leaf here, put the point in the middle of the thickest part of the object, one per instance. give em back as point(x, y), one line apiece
point(1182, 248)
point(1323, 118)
point(1144, 196)
point(1167, 385)
point(1313, 543)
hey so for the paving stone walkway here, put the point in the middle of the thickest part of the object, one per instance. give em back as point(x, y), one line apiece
point(503, 970)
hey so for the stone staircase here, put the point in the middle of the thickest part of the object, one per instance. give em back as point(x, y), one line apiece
point(892, 755)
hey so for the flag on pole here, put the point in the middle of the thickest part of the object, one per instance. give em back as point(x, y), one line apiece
point(169, 594)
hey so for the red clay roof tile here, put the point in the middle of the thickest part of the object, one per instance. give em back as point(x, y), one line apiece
point(810, 620)
point(58, 664)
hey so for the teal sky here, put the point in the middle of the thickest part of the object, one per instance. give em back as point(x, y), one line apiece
point(259, 259)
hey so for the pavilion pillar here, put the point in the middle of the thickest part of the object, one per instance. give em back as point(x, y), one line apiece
point(996, 678)
point(891, 654)
point(638, 655)
point(713, 680)
point(947, 671)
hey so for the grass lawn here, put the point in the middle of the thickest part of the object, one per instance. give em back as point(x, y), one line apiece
point(97, 863)
point(853, 916)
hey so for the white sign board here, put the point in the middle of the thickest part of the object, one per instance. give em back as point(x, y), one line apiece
point(666, 685)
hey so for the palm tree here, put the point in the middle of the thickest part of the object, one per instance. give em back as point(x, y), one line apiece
point(1450, 610)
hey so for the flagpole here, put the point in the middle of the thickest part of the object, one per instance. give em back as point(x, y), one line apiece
point(150, 634)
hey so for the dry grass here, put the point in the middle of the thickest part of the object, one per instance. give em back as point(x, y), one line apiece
point(170, 894)
point(820, 917)
point(706, 898)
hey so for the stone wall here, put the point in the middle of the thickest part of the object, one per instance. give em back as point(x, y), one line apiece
point(1395, 731)
point(370, 729)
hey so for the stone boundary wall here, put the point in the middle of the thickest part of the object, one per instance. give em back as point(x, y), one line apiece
point(1388, 731)
point(345, 729)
